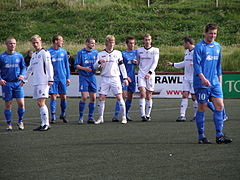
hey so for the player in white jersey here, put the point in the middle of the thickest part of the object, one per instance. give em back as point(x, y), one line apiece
point(110, 60)
point(42, 70)
point(147, 57)
point(187, 64)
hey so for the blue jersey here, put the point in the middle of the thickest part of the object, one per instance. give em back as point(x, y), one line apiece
point(12, 66)
point(207, 60)
point(60, 63)
point(127, 60)
point(86, 59)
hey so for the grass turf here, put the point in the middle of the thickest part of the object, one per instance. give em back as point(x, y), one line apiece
point(160, 149)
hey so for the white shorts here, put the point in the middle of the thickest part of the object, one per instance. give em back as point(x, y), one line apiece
point(113, 83)
point(188, 86)
point(41, 91)
point(147, 83)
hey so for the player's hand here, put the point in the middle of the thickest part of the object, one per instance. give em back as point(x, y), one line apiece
point(20, 77)
point(68, 82)
point(129, 79)
point(206, 82)
point(125, 81)
point(21, 84)
point(134, 61)
point(168, 63)
point(88, 69)
point(50, 83)
point(147, 76)
point(3, 83)
point(191, 63)
point(102, 61)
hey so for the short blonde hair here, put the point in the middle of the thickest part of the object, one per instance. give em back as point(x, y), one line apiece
point(9, 39)
point(109, 38)
point(36, 36)
point(146, 35)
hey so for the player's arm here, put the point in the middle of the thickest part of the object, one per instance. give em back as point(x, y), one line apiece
point(154, 63)
point(78, 63)
point(22, 69)
point(123, 71)
point(49, 67)
point(67, 69)
point(197, 58)
point(99, 62)
point(219, 68)
point(2, 81)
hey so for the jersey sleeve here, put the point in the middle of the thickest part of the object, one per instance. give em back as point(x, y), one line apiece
point(77, 60)
point(49, 66)
point(219, 66)
point(22, 66)
point(96, 64)
point(28, 72)
point(155, 60)
point(179, 65)
point(197, 61)
point(122, 66)
point(67, 66)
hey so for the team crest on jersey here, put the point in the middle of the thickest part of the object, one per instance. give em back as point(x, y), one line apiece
point(62, 54)
point(115, 56)
point(17, 60)
point(39, 56)
point(217, 51)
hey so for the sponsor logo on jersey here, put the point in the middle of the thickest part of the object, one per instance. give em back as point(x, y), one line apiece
point(11, 65)
point(210, 58)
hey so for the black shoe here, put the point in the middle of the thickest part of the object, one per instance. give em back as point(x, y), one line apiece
point(53, 121)
point(148, 118)
point(223, 140)
point(38, 128)
point(144, 119)
point(181, 119)
point(204, 141)
point(91, 121)
point(64, 119)
point(114, 119)
point(129, 119)
point(45, 128)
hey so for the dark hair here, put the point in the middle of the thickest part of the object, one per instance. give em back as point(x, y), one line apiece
point(210, 26)
point(188, 39)
point(89, 39)
point(55, 37)
point(130, 38)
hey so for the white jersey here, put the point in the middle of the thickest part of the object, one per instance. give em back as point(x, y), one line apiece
point(148, 60)
point(114, 62)
point(41, 67)
point(187, 64)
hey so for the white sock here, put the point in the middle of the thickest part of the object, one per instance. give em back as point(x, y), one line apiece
point(142, 104)
point(148, 107)
point(195, 106)
point(44, 115)
point(184, 105)
point(101, 107)
point(122, 107)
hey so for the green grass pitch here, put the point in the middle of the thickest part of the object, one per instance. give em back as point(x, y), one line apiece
point(160, 149)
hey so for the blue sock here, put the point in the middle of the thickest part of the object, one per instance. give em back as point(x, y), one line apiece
point(20, 114)
point(117, 109)
point(128, 106)
point(210, 106)
point(200, 124)
point(8, 116)
point(91, 107)
point(82, 106)
point(224, 114)
point(63, 105)
point(53, 104)
point(218, 121)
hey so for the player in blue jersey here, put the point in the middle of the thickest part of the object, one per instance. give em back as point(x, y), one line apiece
point(84, 62)
point(129, 60)
point(12, 71)
point(207, 81)
point(61, 69)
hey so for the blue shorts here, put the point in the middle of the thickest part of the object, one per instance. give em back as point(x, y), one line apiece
point(203, 94)
point(87, 84)
point(131, 87)
point(12, 90)
point(58, 87)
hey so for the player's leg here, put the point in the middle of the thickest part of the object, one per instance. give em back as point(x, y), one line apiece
point(18, 93)
point(62, 90)
point(217, 100)
point(91, 107)
point(7, 97)
point(128, 103)
point(101, 107)
point(92, 103)
point(149, 90)
point(122, 107)
point(82, 105)
point(40, 93)
point(202, 96)
point(53, 91)
point(195, 107)
point(21, 110)
point(184, 105)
